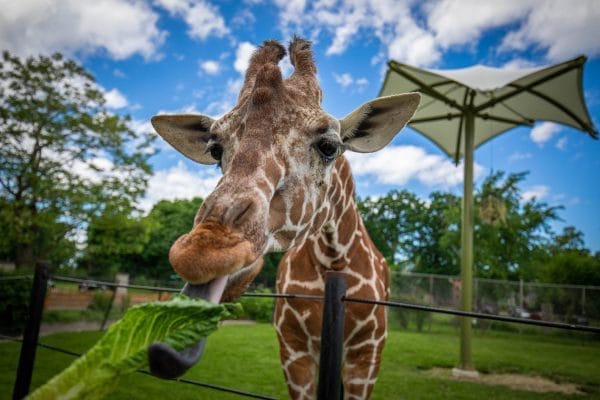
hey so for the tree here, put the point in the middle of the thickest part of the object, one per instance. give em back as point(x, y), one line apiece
point(167, 221)
point(413, 232)
point(439, 243)
point(115, 239)
point(569, 262)
point(425, 234)
point(393, 223)
point(511, 248)
point(63, 156)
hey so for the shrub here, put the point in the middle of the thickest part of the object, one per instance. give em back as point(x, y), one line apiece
point(259, 309)
point(100, 301)
point(14, 304)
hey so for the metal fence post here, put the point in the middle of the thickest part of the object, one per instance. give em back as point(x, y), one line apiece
point(108, 309)
point(32, 330)
point(332, 338)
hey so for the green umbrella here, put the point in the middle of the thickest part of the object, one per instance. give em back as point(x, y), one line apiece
point(464, 108)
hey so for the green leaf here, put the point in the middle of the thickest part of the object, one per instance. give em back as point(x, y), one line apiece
point(180, 322)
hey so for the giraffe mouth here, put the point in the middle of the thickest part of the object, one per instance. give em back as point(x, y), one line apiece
point(168, 363)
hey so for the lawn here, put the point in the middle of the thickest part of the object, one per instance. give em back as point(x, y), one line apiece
point(246, 357)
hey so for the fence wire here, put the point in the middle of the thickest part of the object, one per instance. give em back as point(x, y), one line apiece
point(567, 304)
point(146, 372)
point(447, 297)
point(431, 292)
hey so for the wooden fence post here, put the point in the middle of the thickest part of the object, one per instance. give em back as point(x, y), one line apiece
point(332, 338)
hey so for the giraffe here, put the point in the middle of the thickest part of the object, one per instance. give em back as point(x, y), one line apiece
point(286, 186)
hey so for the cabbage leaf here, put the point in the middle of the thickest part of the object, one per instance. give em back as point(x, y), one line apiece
point(123, 349)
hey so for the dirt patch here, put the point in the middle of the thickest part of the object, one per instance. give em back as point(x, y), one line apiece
point(514, 381)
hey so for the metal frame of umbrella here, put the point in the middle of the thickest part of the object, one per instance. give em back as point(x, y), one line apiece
point(464, 108)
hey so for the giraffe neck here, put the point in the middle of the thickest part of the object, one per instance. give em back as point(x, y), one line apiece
point(336, 242)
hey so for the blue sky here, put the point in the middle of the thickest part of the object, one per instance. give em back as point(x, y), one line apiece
point(189, 56)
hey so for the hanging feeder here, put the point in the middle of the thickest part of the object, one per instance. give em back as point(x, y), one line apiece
point(492, 211)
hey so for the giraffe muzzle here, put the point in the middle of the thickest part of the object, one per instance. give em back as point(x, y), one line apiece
point(211, 250)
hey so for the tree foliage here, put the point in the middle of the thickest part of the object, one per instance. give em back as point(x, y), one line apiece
point(63, 156)
point(115, 238)
point(425, 235)
point(168, 220)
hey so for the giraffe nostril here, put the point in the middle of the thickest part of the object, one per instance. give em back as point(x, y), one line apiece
point(240, 212)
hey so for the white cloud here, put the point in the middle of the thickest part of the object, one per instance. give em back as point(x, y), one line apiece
point(564, 30)
point(94, 170)
point(219, 107)
point(419, 32)
point(211, 67)
point(119, 27)
point(346, 80)
point(561, 144)
point(518, 156)
point(459, 22)
point(115, 99)
point(543, 132)
point(119, 74)
point(142, 127)
point(416, 47)
point(173, 6)
point(291, 11)
point(537, 192)
point(397, 165)
point(178, 182)
point(243, 53)
point(243, 18)
point(203, 19)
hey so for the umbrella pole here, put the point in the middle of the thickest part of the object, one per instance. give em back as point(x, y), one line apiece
point(466, 266)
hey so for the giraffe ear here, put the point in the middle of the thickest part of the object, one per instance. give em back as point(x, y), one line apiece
point(187, 133)
point(374, 124)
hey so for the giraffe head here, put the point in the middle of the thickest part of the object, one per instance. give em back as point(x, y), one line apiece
point(277, 150)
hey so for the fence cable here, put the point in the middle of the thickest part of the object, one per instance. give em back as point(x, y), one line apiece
point(549, 324)
point(113, 284)
point(146, 372)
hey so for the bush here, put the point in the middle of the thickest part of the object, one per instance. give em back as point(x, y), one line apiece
point(259, 309)
point(14, 304)
point(402, 317)
point(100, 301)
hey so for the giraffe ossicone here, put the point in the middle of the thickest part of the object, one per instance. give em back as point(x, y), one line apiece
point(286, 186)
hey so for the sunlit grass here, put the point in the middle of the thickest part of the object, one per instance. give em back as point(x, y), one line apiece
point(246, 357)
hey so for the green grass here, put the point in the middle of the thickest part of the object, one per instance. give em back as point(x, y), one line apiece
point(246, 357)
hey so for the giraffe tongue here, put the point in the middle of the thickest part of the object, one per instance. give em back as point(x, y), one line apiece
point(211, 290)
point(168, 363)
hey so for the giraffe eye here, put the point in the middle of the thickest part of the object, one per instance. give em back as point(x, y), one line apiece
point(216, 151)
point(328, 149)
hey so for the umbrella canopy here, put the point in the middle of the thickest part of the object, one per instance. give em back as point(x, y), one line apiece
point(499, 98)
point(463, 108)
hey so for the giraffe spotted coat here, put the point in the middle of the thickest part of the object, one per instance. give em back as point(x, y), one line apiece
point(286, 186)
